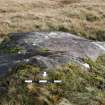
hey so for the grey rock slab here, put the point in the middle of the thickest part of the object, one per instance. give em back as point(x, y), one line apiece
point(47, 50)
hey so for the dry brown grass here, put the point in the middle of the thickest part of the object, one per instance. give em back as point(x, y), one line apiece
point(82, 17)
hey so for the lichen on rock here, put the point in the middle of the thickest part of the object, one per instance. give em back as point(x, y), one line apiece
point(50, 49)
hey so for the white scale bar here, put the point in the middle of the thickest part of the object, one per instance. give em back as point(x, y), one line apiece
point(57, 81)
point(42, 81)
point(28, 81)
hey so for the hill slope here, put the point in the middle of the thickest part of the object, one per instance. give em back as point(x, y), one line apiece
point(83, 17)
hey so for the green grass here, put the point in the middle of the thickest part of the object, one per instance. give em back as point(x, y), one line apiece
point(10, 50)
point(91, 17)
point(79, 86)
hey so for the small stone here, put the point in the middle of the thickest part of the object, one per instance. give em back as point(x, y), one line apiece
point(19, 52)
point(44, 74)
point(64, 101)
point(86, 65)
point(34, 44)
point(26, 60)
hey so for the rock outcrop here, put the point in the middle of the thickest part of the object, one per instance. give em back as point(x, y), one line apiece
point(47, 50)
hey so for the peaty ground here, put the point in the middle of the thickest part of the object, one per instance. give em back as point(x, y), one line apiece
point(82, 17)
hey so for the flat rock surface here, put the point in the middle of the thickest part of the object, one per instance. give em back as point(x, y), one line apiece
point(47, 50)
